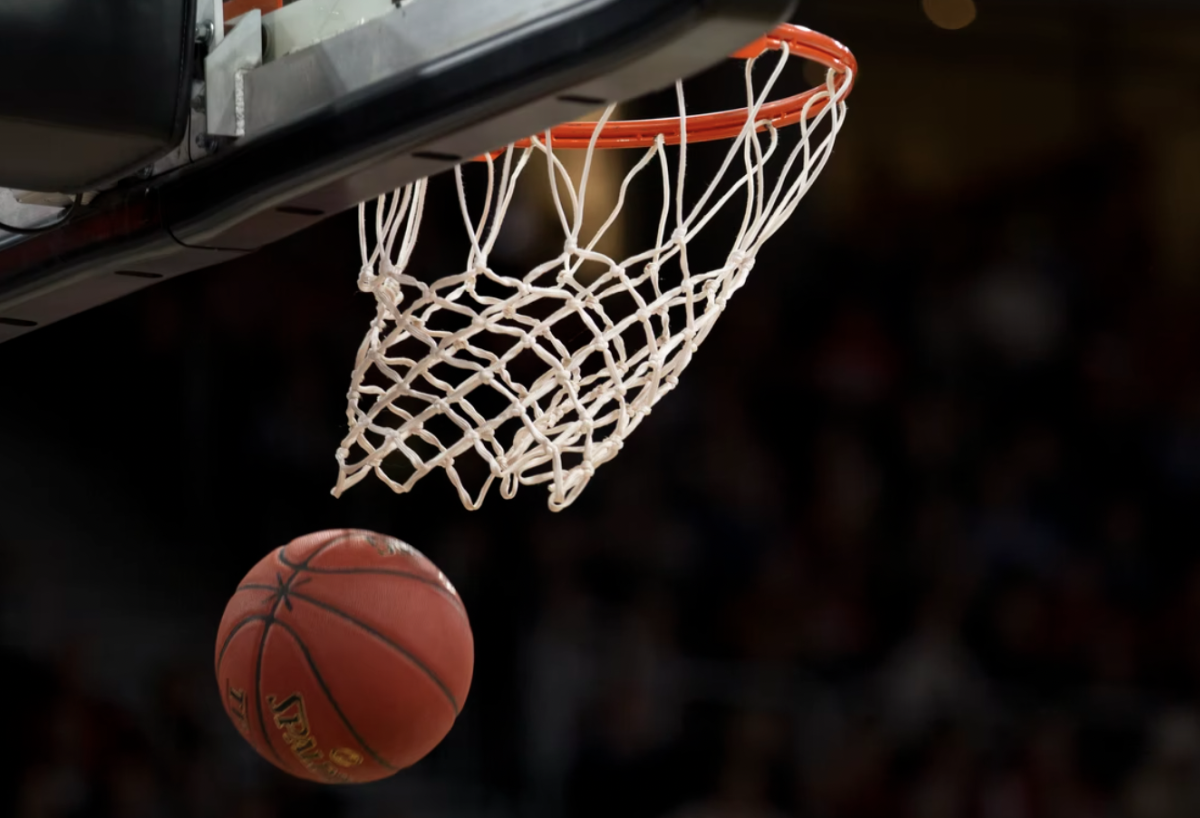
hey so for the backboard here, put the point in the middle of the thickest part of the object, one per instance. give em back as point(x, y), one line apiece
point(304, 111)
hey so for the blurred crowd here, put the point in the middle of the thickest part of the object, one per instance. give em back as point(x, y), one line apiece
point(915, 538)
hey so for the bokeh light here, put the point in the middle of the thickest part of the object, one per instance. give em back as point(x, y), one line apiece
point(950, 14)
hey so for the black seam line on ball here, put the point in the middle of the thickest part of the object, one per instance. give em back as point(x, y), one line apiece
point(270, 620)
point(254, 586)
point(392, 572)
point(365, 627)
point(237, 629)
point(329, 695)
point(282, 553)
point(321, 548)
point(258, 697)
point(285, 586)
point(282, 590)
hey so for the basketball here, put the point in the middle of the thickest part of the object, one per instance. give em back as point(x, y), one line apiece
point(344, 656)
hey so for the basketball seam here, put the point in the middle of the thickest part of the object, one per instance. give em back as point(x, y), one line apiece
point(250, 586)
point(258, 703)
point(325, 606)
point(262, 649)
point(312, 665)
point(234, 632)
point(391, 572)
point(282, 552)
point(258, 670)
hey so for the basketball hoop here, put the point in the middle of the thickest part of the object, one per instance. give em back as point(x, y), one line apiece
point(541, 377)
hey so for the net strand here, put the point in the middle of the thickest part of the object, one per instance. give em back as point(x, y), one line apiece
point(540, 378)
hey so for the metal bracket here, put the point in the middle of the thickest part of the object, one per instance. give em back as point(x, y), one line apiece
point(225, 70)
point(210, 22)
point(305, 23)
point(210, 30)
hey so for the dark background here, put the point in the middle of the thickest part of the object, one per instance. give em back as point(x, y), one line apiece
point(917, 536)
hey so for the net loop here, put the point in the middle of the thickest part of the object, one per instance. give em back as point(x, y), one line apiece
point(539, 378)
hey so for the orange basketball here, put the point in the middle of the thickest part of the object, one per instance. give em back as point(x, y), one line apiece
point(344, 656)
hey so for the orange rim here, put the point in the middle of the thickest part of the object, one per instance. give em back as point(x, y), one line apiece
point(642, 133)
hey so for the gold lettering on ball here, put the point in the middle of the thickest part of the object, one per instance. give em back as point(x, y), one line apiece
point(292, 721)
point(345, 757)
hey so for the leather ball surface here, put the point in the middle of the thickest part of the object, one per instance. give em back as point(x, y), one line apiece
point(344, 656)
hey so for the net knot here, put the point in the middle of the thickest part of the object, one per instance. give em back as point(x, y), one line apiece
point(680, 236)
point(571, 246)
point(384, 287)
point(741, 260)
point(343, 454)
point(367, 278)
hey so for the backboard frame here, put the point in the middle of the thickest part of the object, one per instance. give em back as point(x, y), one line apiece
point(360, 130)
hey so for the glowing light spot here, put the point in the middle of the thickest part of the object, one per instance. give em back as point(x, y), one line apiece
point(950, 14)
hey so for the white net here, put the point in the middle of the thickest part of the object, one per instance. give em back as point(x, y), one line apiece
point(540, 378)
